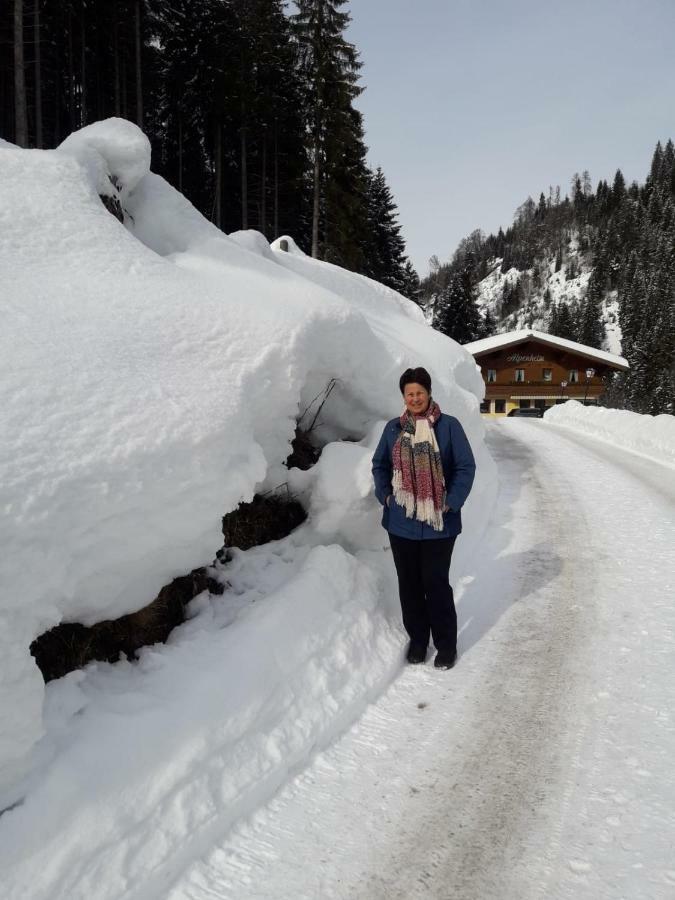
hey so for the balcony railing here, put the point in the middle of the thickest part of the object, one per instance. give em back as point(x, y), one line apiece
point(550, 384)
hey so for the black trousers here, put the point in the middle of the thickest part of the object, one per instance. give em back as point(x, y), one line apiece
point(427, 602)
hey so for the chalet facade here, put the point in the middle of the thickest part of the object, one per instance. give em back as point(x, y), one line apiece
point(523, 369)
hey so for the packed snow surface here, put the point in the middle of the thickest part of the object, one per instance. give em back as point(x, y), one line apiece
point(541, 766)
point(151, 378)
point(652, 436)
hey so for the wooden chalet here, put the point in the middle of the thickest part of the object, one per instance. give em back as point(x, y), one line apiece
point(523, 369)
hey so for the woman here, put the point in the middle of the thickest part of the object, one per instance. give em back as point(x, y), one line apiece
point(423, 469)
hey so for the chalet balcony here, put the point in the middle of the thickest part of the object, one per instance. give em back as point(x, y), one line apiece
point(533, 383)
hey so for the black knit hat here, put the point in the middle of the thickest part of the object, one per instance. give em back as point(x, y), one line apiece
point(415, 376)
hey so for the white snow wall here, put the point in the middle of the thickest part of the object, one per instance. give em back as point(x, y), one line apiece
point(652, 436)
point(150, 378)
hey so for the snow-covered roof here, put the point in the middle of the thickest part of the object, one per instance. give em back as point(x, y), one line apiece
point(511, 338)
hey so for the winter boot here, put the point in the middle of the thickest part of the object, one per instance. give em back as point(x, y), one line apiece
point(416, 653)
point(445, 659)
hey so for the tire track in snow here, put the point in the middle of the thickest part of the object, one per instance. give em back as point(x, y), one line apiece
point(490, 805)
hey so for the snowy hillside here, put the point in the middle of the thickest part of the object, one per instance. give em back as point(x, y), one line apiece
point(534, 292)
point(152, 375)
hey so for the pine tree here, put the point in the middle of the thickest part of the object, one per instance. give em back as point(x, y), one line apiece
point(552, 321)
point(330, 66)
point(668, 160)
point(344, 208)
point(456, 312)
point(411, 284)
point(488, 326)
point(656, 168)
point(587, 187)
point(512, 297)
point(187, 119)
point(560, 321)
point(631, 301)
point(618, 189)
point(578, 198)
point(21, 115)
point(591, 330)
point(384, 248)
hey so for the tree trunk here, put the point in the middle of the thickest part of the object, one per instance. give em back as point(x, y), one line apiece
point(20, 106)
point(316, 204)
point(38, 76)
point(71, 74)
point(83, 69)
point(219, 174)
point(139, 83)
point(99, 92)
point(116, 59)
point(125, 92)
point(244, 180)
point(276, 181)
point(316, 200)
point(263, 187)
point(55, 96)
point(180, 154)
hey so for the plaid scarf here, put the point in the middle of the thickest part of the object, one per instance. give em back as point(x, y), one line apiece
point(418, 481)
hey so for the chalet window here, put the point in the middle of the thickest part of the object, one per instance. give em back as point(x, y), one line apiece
point(524, 404)
point(485, 406)
point(520, 374)
point(500, 406)
point(574, 376)
point(492, 375)
point(548, 374)
point(540, 404)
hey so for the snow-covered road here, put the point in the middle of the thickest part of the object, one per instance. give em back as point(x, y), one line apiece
point(542, 765)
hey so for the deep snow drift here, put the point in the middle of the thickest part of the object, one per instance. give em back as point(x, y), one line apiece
point(652, 436)
point(151, 377)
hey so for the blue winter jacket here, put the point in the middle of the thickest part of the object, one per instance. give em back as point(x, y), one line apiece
point(458, 469)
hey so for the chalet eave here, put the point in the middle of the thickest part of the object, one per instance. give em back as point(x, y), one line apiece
point(580, 350)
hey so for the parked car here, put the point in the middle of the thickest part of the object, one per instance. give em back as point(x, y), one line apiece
point(532, 412)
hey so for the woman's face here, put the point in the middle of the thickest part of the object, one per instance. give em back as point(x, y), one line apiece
point(416, 398)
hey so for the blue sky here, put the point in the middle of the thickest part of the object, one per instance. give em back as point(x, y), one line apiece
point(471, 105)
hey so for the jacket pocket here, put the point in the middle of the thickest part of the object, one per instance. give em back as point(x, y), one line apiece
point(397, 517)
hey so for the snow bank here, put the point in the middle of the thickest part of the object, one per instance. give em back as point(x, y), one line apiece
point(652, 436)
point(114, 151)
point(150, 379)
point(157, 759)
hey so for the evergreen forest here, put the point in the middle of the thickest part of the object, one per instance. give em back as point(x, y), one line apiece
point(249, 106)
